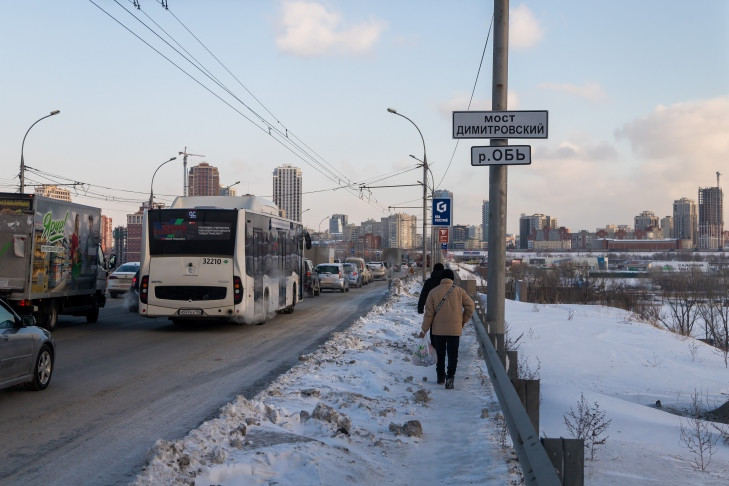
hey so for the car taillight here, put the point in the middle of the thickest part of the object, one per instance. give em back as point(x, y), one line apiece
point(308, 274)
point(144, 290)
point(237, 290)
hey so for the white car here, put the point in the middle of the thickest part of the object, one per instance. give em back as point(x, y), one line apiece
point(120, 281)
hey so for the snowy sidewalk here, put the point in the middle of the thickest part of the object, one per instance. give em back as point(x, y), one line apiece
point(341, 416)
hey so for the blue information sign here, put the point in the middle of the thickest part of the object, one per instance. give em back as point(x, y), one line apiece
point(441, 212)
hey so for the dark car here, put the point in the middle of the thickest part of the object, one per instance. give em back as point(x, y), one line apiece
point(27, 352)
point(131, 298)
point(311, 279)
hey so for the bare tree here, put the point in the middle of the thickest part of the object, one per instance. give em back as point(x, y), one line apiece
point(681, 293)
point(588, 423)
point(696, 435)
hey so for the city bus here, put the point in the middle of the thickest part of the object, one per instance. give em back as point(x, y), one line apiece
point(219, 257)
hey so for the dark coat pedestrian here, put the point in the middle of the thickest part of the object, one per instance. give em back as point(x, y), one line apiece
point(429, 284)
point(447, 310)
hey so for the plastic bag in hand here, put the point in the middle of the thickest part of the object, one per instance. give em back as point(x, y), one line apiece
point(425, 354)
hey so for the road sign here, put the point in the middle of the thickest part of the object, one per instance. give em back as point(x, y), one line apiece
point(444, 246)
point(442, 235)
point(504, 155)
point(441, 212)
point(500, 124)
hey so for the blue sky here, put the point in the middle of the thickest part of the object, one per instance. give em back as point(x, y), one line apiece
point(637, 93)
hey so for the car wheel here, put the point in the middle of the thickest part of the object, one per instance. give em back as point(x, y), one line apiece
point(113, 295)
point(43, 369)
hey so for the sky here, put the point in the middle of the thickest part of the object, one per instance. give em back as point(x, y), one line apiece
point(637, 95)
point(363, 381)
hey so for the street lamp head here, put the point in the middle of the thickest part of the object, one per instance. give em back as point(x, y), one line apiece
point(173, 158)
point(55, 112)
point(392, 110)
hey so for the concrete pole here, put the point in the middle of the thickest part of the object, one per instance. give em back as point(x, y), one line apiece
point(497, 181)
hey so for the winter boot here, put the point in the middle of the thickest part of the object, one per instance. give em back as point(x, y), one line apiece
point(441, 378)
point(449, 383)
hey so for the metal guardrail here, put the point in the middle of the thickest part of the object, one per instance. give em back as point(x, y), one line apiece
point(536, 466)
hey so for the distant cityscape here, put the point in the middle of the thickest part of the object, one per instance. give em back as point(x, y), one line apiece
point(695, 224)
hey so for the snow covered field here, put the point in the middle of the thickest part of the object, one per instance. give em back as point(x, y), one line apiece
point(345, 414)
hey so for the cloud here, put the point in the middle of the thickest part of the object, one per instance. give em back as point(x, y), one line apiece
point(683, 132)
point(308, 29)
point(524, 29)
point(591, 91)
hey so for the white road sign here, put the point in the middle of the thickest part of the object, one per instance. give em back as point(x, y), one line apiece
point(500, 124)
point(502, 155)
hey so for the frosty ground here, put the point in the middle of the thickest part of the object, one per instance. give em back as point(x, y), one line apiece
point(358, 411)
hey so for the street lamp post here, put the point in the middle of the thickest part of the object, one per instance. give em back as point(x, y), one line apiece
point(425, 188)
point(22, 146)
point(151, 193)
point(434, 246)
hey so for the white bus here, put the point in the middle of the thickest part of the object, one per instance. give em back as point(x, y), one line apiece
point(219, 257)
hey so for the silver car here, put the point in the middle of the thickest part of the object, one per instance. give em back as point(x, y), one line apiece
point(332, 277)
point(353, 275)
point(26, 351)
point(378, 270)
point(120, 281)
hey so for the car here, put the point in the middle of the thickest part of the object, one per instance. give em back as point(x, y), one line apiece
point(27, 352)
point(379, 272)
point(132, 295)
point(353, 274)
point(366, 274)
point(120, 280)
point(311, 279)
point(332, 277)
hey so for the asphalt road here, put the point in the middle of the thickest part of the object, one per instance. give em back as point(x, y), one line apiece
point(123, 383)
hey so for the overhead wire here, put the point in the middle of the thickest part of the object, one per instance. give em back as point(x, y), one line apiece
point(473, 91)
point(282, 138)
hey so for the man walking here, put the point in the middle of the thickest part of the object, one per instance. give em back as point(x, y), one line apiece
point(447, 310)
point(429, 285)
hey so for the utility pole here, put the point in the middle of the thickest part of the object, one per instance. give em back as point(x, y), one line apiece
point(185, 155)
point(497, 186)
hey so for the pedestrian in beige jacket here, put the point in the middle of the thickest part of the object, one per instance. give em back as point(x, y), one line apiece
point(447, 309)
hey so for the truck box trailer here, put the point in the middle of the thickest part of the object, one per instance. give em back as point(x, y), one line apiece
point(51, 261)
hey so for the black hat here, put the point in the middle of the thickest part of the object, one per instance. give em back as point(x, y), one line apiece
point(448, 273)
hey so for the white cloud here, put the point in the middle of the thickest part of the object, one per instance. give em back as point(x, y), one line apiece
point(691, 132)
point(590, 91)
point(524, 29)
point(309, 29)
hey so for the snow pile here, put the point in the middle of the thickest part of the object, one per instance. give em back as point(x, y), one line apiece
point(354, 412)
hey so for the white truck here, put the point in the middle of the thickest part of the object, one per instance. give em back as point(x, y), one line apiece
point(51, 261)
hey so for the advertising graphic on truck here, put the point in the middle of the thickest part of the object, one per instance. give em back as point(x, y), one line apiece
point(50, 258)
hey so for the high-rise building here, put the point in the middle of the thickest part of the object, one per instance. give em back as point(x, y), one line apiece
point(134, 236)
point(120, 244)
point(107, 241)
point(53, 192)
point(685, 220)
point(528, 226)
point(401, 231)
point(667, 227)
point(485, 221)
point(287, 190)
point(646, 220)
point(336, 225)
point(203, 180)
point(711, 218)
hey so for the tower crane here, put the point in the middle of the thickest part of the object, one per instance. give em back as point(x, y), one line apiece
point(185, 155)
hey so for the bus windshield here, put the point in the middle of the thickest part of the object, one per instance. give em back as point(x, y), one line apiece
point(192, 231)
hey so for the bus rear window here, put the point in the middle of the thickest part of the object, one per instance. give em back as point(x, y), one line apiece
point(192, 231)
